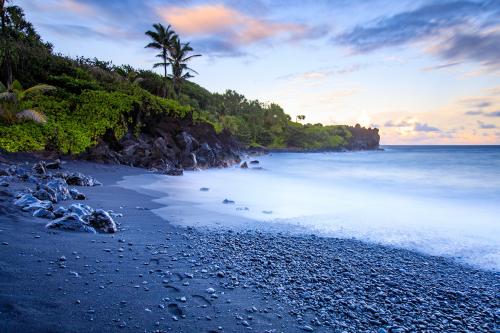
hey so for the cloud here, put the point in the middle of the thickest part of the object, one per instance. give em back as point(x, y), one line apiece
point(485, 126)
point(473, 113)
point(461, 30)
point(220, 24)
point(423, 127)
point(411, 25)
point(324, 73)
point(74, 30)
point(493, 114)
point(402, 123)
point(480, 47)
point(438, 67)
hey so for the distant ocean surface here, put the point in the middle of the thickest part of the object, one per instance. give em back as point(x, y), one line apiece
point(440, 200)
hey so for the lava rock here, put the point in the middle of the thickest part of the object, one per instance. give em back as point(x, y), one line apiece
point(102, 221)
point(77, 195)
point(71, 222)
point(53, 165)
point(44, 214)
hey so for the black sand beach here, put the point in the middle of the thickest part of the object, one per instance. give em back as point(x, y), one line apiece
point(153, 276)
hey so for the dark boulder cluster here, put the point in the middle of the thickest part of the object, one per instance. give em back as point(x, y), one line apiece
point(169, 146)
point(45, 189)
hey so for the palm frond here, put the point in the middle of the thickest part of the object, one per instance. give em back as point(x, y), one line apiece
point(8, 97)
point(154, 45)
point(32, 115)
point(138, 80)
point(37, 90)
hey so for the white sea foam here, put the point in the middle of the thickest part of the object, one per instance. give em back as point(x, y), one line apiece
point(440, 202)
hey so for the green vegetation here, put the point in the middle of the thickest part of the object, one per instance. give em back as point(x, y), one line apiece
point(75, 102)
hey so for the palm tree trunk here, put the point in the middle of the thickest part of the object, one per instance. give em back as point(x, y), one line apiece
point(5, 44)
point(165, 64)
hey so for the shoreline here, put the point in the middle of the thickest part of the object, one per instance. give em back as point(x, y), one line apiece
point(268, 281)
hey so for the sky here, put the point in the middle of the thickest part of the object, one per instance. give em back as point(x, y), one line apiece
point(422, 71)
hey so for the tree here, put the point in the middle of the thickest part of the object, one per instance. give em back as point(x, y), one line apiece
point(5, 45)
point(299, 117)
point(179, 57)
point(162, 40)
point(10, 103)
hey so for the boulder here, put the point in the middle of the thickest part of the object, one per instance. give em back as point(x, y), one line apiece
point(254, 162)
point(53, 165)
point(186, 142)
point(205, 156)
point(174, 171)
point(25, 200)
point(37, 205)
point(44, 194)
point(59, 189)
point(44, 214)
point(39, 168)
point(189, 161)
point(60, 211)
point(78, 179)
point(80, 210)
point(228, 202)
point(71, 222)
point(244, 165)
point(102, 221)
point(77, 195)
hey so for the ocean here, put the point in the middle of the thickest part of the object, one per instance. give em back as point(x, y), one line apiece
point(439, 200)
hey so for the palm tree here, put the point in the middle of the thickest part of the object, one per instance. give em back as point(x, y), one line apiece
point(6, 55)
point(299, 117)
point(10, 103)
point(179, 57)
point(162, 40)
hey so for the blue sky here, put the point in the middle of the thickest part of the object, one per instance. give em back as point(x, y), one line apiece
point(422, 71)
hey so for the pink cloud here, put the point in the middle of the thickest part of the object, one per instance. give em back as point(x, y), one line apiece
point(239, 28)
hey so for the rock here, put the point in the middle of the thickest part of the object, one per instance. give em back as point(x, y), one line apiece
point(4, 183)
point(189, 161)
point(25, 200)
point(205, 156)
point(60, 211)
point(307, 328)
point(174, 172)
point(244, 165)
point(44, 214)
point(78, 179)
point(210, 290)
point(80, 210)
point(102, 221)
point(71, 222)
point(58, 188)
point(186, 142)
point(77, 195)
point(269, 212)
point(228, 202)
point(43, 194)
point(53, 165)
point(204, 189)
point(254, 162)
point(39, 168)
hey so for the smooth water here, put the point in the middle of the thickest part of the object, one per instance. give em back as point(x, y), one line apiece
point(440, 200)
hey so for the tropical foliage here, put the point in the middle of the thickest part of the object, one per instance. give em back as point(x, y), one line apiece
point(75, 102)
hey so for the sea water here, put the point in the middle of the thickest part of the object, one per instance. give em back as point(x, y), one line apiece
point(440, 200)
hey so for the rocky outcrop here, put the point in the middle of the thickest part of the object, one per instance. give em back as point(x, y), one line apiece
point(363, 138)
point(169, 145)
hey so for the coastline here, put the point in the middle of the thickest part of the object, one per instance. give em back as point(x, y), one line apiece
point(152, 273)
